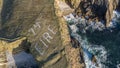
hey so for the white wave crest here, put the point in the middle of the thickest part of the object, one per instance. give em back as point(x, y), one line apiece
point(98, 51)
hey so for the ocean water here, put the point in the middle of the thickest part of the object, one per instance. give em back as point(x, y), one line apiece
point(98, 40)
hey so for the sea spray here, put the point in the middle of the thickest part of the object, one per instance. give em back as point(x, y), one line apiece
point(97, 50)
point(102, 37)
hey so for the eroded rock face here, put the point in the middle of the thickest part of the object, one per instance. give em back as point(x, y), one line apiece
point(73, 3)
point(42, 23)
point(91, 8)
point(6, 49)
point(74, 55)
point(112, 5)
point(62, 8)
point(95, 9)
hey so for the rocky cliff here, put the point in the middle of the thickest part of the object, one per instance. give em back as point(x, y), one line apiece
point(112, 5)
point(44, 31)
point(6, 50)
point(95, 9)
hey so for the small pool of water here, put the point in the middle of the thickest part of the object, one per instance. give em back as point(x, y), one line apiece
point(25, 60)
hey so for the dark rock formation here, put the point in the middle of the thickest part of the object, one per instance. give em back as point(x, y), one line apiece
point(91, 8)
point(95, 9)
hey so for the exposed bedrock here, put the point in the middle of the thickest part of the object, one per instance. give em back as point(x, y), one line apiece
point(95, 9)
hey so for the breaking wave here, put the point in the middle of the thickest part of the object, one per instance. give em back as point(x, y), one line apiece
point(78, 26)
point(97, 50)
